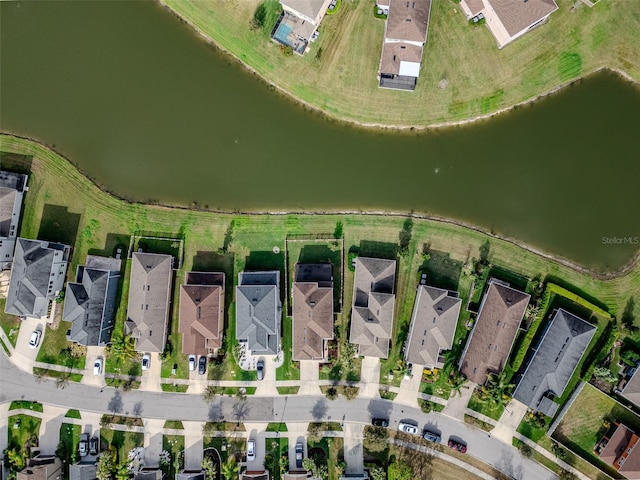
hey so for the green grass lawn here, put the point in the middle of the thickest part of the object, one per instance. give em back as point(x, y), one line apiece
point(484, 407)
point(22, 404)
point(55, 343)
point(176, 388)
point(289, 370)
point(72, 377)
point(333, 449)
point(73, 414)
point(288, 390)
point(70, 438)
point(176, 359)
point(277, 427)
point(174, 444)
point(121, 441)
point(177, 424)
point(277, 447)
point(27, 431)
point(569, 45)
point(583, 424)
point(9, 323)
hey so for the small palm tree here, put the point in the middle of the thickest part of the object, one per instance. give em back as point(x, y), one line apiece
point(122, 349)
point(456, 380)
point(496, 389)
point(230, 468)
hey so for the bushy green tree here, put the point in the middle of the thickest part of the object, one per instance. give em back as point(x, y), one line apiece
point(105, 465)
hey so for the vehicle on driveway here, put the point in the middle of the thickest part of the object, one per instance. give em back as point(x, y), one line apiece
point(379, 422)
point(34, 341)
point(431, 436)
point(251, 450)
point(299, 454)
point(93, 446)
point(192, 363)
point(97, 366)
point(202, 365)
point(260, 369)
point(83, 446)
point(408, 428)
point(146, 361)
point(461, 447)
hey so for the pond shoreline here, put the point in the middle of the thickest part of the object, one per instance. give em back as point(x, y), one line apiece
point(391, 127)
point(631, 264)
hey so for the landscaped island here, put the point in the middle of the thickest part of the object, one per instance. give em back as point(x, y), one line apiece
point(463, 76)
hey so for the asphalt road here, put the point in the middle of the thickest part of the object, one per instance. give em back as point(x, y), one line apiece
point(18, 385)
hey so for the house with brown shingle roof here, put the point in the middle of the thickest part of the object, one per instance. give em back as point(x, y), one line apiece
point(202, 313)
point(373, 306)
point(494, 332)
point(149, 295)
point(510, 19)
point(404, 37)
point(619, 448)
point(12, 188)
point(312, 300)
point(433, 325)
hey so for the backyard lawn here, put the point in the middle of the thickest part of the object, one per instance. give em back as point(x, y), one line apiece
point(122, 442)
point(584, 423)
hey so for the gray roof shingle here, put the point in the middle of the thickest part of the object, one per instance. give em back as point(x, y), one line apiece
point(38, 273)
point(555, 359)
point(433, 325)
point(148, 306)
point(259, 311)
point(90, 304)
point(373, 306)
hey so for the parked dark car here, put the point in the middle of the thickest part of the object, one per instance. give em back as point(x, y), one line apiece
point(260, 369)
point(462, 448)
point(93, 446)
point(431, 436)
point(379, 422)
point(202, 365)
point(299, 455)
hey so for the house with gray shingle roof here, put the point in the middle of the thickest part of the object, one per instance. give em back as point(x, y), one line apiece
point(433, 326)
point(37, 277)
point(509, 19)
point(259, 311)
point(631, 390)
point(373, 306)
point(554, 360)
point(90, 301)
point(494, 332)
point(12, 188)
point(404, 37)
point(312, 300)
point(149, 295)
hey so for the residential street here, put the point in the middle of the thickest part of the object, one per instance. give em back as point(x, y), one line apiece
point(18, 385)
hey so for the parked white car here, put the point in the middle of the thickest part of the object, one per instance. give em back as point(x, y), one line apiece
point(97, 366)
point(146, 361)
point(251, 450)
point(34, 341)
point(408, 428)
point(192, 362)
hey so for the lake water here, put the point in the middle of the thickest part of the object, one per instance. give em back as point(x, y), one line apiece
point(147, 109)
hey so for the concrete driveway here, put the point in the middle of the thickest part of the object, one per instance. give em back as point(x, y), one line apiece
point(256, 431)
point(409, 387)
point(309, 377)
point(267, 387)
point(24, 356)
point(52, 419)
point(370, 377)
point(193, 445)
point(152, 441)
point(509, 421)
point(353, 452)
point(4, 426)
point(296, 432)
point(457, 404)
point(197, 382)
point(151, 377)
point(89, 378)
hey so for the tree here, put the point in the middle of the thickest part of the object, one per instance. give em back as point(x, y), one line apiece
point(377, 473)
point(122, 471)
point(339, 230)
point(209, 393)
point(558, 451)
point(105, 421)
point(399, 470)
point(62, 382)
point(566, 475)
point(525, 450)
point(376, 438)
point(496, 388)
point(122, 349)
point(230, 469)
point(16, 459)
point(210, 468)
point(105, 466)
point(456, 380)
point(308, 464)
point(269, 462)
point(332, 393)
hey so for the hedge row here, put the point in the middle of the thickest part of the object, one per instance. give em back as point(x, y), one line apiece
point(578, 299)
